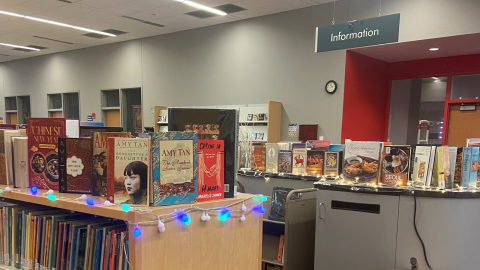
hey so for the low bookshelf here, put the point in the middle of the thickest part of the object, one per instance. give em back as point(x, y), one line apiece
point(213, 244)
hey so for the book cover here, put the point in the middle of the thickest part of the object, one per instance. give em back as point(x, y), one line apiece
point(395, 165)
point(466, 166)
point(337, 147)
point(438, 176)
point(261, 117)
point(271, 158)
point(210, 170)
point(8, 135)
point(174, 162)
point(332, 163)
point(299, 162)
point(458, 177)
point(299, 145)
point(318, 145)
point(75, 163)
point(475, 142)
point(137, 118)
point(255, 117)
point(450, 183)
point(285, 161)
point(99, 160)
point(20, 161)
point(420, 167)
point(315, 160)
point(361, 162)
point(43, 134)
point(258, 157)
point(224, 126)
point(280, 248)
point(249, 117)
point(430, 166)
point(128, 172)
point(446, 167)
point(474, 168)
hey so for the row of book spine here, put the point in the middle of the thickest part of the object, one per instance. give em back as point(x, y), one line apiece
point(35, 237)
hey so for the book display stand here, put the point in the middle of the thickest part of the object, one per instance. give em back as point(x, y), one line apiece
point(214, 244)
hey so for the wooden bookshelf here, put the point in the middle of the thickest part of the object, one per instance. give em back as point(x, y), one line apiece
point(201, 245)
point(156, 112)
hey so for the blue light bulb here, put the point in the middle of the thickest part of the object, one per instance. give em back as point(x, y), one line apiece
point(264, 198)
point(126, 207)
point(137, 232)
point(51, 197)
point(184, 218)
point(90, 201)
point(33, 189)
point(262, 210)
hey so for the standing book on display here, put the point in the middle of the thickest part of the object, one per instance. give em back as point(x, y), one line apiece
point(421, 165)
point(299, 162)
point(258, 157)
point(450, 183)
point(128, 172)
point(315, 160)
point(271, 157)
point(318, 145)
point(438, 178)
point(20, 161)
point(475, 142)
point(285, 161)
point(361, 162)
point(210, 170)
point(174, 167)
point(332, 163)
point(395, 165)
point(99, 160)
point(43, 134)
point(75, 160)
point(8, 135)
point(221, 124)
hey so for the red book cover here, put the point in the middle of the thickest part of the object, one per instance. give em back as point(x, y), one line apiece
point(43, 134)
point(75, 162)
point(210, 170)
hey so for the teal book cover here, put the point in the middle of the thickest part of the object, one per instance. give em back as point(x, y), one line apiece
point(174, 162)
point(466, 166)
point(473, 168)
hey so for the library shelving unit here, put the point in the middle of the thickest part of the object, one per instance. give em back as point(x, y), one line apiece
point(298, 229)
point(63, 105)
point(17, 109)
point(232, 244)
point(270, 128)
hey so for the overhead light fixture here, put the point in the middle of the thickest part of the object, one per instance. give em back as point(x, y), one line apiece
point(202, 7)
point(435, 78)
point(434, 49)
point(20, 47)
point(56, 23)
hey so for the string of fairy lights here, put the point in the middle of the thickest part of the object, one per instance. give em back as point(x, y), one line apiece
point(223, 212)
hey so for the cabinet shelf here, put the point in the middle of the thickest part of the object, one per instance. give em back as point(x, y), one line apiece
point(273, 221)
point(272, 262)
point(110, 108)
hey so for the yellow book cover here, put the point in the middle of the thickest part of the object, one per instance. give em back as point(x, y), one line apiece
point(438, 169)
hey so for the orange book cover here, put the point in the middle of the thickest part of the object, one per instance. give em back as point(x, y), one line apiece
point(128, 173)
point(280, 248)
point(210, 170)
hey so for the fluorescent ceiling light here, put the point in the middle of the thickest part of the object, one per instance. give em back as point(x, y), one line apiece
point(434, 49)
point(202, 7)
point(435, 78)
point(21, 47)
point(57, 23)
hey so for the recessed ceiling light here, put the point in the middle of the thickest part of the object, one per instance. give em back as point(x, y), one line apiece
point(202, 7)
point(434, 49)
point(20, 47)
point(56, 23)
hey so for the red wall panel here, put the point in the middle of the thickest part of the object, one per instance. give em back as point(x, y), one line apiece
point(365, 96)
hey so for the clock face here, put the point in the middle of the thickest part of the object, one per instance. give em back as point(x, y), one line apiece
point(331, 87)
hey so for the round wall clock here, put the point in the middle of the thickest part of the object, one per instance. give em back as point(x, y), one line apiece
point(331, 87)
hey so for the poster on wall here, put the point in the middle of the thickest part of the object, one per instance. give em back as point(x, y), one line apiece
point(292, 130)
point(137, 118)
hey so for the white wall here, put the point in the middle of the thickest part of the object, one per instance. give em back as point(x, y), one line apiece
point(250, 61)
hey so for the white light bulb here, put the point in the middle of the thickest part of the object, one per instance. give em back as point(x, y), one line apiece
point(208, 217)
point(242, 218)
point(8, 189)
point(244, 208)
point(83, 197)
point(107, 203)
point(161, 229)
point(204, 217)
point(161, 226)
point(49, 192)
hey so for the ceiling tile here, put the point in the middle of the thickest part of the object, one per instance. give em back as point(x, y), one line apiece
point(65, 11)
point(87, 18)
point(102, 3)
point(9, 3)
point(176, 19)
point(131, 7)
point(16, 25)
point(34, 7)
point(11, 37)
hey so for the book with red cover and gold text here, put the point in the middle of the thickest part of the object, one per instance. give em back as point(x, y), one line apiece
point(43, 134)
point(210, 170)
point(75, 160)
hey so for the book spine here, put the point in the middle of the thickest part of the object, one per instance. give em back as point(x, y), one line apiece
point(111, 170)
point(62, 158)
point(474, 168)
point(280, 248)
point(466, 163)
point(430, 167)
